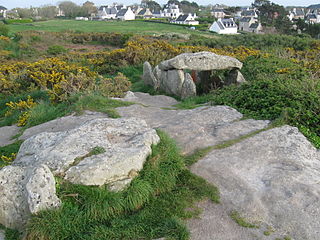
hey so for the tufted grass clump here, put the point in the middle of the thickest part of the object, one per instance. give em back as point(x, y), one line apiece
point(241, 221)
point(153, 206)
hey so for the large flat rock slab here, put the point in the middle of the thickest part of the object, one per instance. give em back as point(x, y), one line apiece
point(201, 61)
point(272, 178)
point(62, 124)
point(196, 128)
point(6, 134)
point(124, 146)
point(160, 101)
point(215, 223)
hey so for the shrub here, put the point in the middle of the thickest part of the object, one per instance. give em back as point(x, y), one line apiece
point(114, 87)
point(4, 30)
point(56, 50)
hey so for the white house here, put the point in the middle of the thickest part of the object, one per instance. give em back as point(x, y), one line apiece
point(145, 13)
point(187, 19)
point(60, 13)
point(126, 14)
point(172, 11)
point(224, 26)
point(157, 14)
point(245, 22)
point(3, 11)
point(218, 13)
point(107, 12)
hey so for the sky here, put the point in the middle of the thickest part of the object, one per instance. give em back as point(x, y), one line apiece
point(36, 3)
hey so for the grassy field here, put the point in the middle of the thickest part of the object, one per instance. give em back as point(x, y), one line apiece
point(136, 27)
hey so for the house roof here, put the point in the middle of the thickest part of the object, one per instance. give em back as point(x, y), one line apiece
point(101, 8)
point(119, 7)
point(156, 12)
point(228, 23)
point(217, 10)
point(182, 18)
point(3, 8)
point(248, 13)
point(299, 12)
point(142, 12)
point(312, 16)
point(122, 12)
point(254, 25)
point(245, 19)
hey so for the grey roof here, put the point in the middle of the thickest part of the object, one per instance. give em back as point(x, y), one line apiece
point(228, 23)
point(142, 12)
point(312, 16)
point(217, 10)
point(122, 12)
point(112, 10)
point(101, 7)
point(220, 25)
point(182, 18)
point(248, 13)
point(3, 8)
point(245, 19)
point(157, 12)
point(119, 7)
point(254, 25)
point(299, 12)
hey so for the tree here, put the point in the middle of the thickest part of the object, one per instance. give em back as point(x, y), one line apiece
point(25, 12)
point(275, 15)
point(259, 3)
point(47, 11)
point(189, 7)
point(153, 6)
point(89, 8)
point(70, 9)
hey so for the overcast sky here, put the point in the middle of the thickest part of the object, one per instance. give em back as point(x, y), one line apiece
point(27, 3)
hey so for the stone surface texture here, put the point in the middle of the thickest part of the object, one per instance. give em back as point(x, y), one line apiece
point(195, 128)
point(272, 178)
point(127, 143)
point(6, 134)
point(25, 191)
point(201, 61)
point(235, 77)
point(62, 124)
point(188, 88)
point(148, 76)
point(171, 75)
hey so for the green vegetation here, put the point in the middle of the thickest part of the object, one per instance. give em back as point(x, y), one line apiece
point(56, 50)
point(95, 151)
point(241, 221)
point(153, 206)
point(7, 153)
point(134, 27)
point(45, 111)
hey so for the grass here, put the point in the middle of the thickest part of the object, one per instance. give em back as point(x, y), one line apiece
point(95, 151)
point(154, 205)
point(241, 221)
point(8, 151)
point(135, 27)
point(45, 111)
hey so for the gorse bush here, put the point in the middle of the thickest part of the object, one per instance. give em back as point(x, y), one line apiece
point(56, 50)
